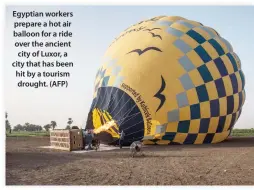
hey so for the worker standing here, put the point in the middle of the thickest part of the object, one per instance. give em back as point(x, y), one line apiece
point(122, 134)
point(84, 133)
point(89, 139)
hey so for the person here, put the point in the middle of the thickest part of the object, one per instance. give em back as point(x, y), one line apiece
point(95, 142)
point(84, 132)
point(122, 134)
point(89, 139)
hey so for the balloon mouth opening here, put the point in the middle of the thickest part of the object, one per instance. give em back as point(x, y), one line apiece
point(113, 111)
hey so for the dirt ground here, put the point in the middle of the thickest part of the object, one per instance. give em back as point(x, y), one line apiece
point(227, 163)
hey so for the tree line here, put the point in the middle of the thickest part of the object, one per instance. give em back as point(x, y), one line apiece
point(33, 127)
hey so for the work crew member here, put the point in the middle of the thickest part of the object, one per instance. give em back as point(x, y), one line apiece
point(122, 134)
point(84, 132)
point(89, 139)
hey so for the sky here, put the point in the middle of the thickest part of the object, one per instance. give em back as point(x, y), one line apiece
point(94, 28)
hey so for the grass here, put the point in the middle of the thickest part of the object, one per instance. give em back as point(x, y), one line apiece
point(243, 132)
point(27, 134)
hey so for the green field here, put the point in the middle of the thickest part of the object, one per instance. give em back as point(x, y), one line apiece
point(235, 133)
point(243, 132)
point(27, 133)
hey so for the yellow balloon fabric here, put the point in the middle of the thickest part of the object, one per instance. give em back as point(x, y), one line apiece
point(169, 80)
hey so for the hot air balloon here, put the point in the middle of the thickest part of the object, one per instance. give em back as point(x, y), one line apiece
point(167, 80)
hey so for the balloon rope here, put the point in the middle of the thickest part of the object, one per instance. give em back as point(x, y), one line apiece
point(111, 101)
point(121, 108)
point(117, 103)
point(133, 125)
point(128, 112)
point(132, 115)
point(124, 121)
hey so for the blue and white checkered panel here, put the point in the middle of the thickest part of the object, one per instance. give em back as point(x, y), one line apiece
point(186, 63)
point(182, 46)
point(163, 23)
point(174, 32)
point(173, 115)
point(182, 100)
point(186, 23)
point(208, 30)
point(186, 81)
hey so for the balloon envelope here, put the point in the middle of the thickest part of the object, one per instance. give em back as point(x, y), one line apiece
point(168, 80)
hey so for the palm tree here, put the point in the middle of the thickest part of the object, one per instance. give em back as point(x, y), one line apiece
point(69, 122)
point(53, 124)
